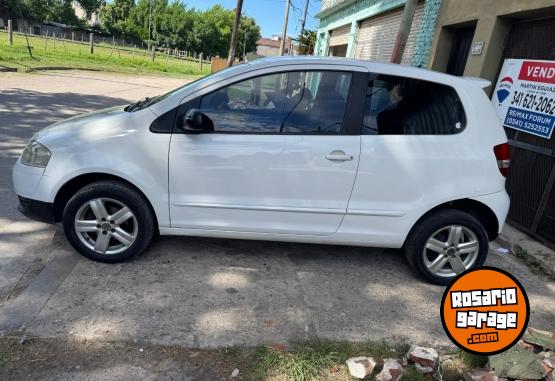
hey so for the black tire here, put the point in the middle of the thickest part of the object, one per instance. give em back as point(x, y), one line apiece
point(416, 241)
point(139, 206)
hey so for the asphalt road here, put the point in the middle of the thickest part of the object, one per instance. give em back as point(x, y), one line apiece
point(199, 292)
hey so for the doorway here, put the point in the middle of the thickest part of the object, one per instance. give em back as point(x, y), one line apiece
point(462, 42)
point(339, 50)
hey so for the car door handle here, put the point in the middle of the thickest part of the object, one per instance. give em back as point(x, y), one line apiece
point(339, 156)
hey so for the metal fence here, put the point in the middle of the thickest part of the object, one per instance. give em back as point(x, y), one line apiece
point(531, 183)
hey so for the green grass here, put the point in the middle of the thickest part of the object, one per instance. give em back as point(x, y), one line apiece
point(411, 374)
point(314, 359)
point(311, 360)
point(473, 361)
point(76, 55)
point(520, 252)
point(301, 364)
point(5, 359)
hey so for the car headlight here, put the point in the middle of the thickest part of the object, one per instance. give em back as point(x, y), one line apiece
point(35, 155)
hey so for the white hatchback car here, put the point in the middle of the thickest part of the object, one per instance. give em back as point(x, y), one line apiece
point(303, 149)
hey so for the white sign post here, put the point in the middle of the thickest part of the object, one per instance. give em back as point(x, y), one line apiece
point(524, 97)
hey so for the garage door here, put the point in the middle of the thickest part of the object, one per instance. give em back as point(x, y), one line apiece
point(340, 36)
point(377, 36)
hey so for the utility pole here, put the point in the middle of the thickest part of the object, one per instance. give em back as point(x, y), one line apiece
point(149, 21)
point(304, 17)
point(245, 44)
point(284, 33)
point(404, 30)
point(234, 33)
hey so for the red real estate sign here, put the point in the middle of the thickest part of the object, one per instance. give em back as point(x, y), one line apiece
point(537, 72)
point(524, 97)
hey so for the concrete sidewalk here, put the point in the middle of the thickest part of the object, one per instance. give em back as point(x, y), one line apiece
point(537, 255)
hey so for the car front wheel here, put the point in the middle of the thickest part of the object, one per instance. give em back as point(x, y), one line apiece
point(108, 221)
point(446, 244)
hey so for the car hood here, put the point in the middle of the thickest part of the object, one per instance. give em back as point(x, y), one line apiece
point(93, 128)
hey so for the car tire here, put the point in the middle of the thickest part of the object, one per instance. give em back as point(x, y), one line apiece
point(432, 252)
point(108, 221)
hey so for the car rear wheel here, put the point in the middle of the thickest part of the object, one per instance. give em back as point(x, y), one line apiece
point(446, 244)
point(108, 221)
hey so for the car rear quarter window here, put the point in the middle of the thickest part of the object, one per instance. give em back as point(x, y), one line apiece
point(407, 106)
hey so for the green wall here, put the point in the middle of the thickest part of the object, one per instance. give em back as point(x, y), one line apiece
point(353, 11)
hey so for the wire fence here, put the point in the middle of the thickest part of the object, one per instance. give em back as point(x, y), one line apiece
point(112, 46)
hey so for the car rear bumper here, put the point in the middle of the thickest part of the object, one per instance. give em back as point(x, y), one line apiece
point(37, 210)
point(499, 203)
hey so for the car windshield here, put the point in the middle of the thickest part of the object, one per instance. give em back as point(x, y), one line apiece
point(149, 101)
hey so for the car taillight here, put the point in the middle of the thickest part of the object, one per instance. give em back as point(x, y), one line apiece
point(503, 158)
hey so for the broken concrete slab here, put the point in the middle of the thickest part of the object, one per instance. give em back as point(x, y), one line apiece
point(544, 339)
point(480, 374)
point(517, 363)
point(425, 359)
point(392, 371)
point(361, 367)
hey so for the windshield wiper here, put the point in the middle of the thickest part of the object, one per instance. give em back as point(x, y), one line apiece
point(138, 105)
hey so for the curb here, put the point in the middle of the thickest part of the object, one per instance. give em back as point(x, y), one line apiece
point(45, 68)
point(528, 250)
point(16, 315)
point(4, 69)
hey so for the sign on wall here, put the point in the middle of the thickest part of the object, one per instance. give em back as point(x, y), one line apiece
point(524, 97)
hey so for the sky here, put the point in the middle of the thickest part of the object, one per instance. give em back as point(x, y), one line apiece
point(269, 13)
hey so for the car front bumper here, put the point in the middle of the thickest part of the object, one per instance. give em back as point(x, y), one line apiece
point(26, 181)
point(37, 210)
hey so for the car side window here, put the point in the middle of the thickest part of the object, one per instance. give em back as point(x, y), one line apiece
point(257, 105)
point(291, 102)
point(320, 104)
point(407, 106)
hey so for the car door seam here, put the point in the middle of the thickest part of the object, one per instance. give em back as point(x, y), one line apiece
point(354, 182)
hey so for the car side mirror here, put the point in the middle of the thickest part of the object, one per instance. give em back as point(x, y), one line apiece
point(195, 122)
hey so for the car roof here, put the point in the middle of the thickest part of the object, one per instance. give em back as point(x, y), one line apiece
point(372, 66)
point(317, 61)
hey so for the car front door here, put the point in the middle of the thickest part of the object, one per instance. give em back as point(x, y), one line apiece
point(280, 158)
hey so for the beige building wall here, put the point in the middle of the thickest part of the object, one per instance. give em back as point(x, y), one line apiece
point(493, 20)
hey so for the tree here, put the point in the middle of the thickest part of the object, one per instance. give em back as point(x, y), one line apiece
point(251, 31)
point(173, 25)
point(90, 6)
point(62, 11)
point(116, 12)
point(41, 10)
point(307, 40)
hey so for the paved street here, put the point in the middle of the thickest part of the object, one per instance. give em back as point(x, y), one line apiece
point(196, 291)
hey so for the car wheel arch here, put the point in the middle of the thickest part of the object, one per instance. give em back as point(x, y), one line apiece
point(480, 211)
point(70, 187)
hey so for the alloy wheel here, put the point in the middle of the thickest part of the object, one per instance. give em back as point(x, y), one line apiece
point(106, 226)
point(451, 250)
